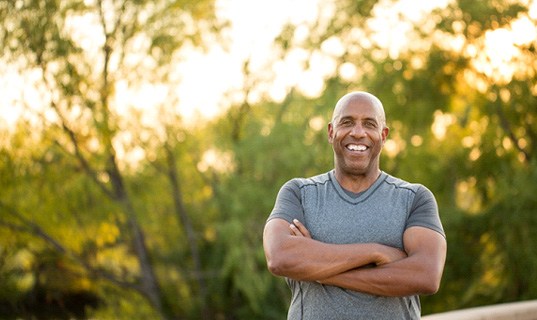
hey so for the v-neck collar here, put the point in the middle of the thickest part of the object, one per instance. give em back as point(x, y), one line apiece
point(362, 196)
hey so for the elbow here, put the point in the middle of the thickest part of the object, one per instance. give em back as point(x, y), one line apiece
point(430, 280)
point(276, 266)
point(283, 265)
point(430, 289)
point(430, 286)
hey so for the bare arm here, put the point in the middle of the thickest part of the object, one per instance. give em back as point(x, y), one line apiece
point(303, 258)
point(419, 273)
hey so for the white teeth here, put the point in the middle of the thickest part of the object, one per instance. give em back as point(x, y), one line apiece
point(354, 147)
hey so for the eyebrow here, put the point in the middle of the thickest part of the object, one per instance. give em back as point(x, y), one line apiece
point(352, 118)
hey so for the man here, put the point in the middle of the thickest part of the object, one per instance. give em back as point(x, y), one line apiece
point(355, 242)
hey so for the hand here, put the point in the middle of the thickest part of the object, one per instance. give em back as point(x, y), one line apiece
point(389, 254)
point(298, 229)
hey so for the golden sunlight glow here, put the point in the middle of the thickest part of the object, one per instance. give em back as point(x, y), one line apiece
point(390, 148)
point(394, 23)
point(317, 123)
point(394, 145)
point(416, 140)
point(468, 142)
point(9, 111)
point(254, 25)
point(475, 153)
point(499, 55)
point(347, 71)
point(219, 161)
point(440, 124)
point(210, 81)
point(467, 197)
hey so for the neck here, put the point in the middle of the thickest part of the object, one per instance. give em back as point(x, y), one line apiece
point(357, 182)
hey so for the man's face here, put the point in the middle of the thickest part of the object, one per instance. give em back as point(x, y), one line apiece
point(357, 134)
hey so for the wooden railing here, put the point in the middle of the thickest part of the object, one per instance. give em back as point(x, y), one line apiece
point(526, 310)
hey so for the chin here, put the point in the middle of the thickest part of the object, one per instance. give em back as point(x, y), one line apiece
point(354, 171)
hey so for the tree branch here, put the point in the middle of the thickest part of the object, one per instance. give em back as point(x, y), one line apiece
point(34, 229)
point(509, 131)
point(78, 153)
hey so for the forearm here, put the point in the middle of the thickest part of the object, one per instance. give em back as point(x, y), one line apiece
point(311, 260)
point(303, 258)
point(401, 278)
point(419, 273)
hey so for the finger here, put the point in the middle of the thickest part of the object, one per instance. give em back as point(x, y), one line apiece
point(302, 228)
point(295, 231)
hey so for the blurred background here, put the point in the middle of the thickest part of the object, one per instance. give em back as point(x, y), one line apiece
point(142, 144)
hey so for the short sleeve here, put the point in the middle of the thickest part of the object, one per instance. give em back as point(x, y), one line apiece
point(288, 204)
point(424, 211)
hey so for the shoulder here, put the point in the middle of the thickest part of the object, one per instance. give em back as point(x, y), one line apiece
point(299, 183)
point(402, 184)
point(420, 191)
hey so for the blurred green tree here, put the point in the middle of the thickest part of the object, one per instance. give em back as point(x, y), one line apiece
point(462, 122)
point(458, 84)
point(79, 173)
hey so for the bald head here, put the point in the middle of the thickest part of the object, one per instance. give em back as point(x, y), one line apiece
point(359, 96)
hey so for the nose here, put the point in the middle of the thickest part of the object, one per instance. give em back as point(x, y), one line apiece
point(358, 131)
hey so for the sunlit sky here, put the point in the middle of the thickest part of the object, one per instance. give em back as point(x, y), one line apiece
point(254, 24)
point(206, 77)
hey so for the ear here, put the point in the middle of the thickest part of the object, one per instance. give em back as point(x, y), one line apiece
point(384, 134)
point(330, 132)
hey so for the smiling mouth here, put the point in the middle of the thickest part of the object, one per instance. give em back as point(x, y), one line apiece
point(356, 147)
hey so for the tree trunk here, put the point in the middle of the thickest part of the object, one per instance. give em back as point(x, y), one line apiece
point(149, 284)
point(183, 217)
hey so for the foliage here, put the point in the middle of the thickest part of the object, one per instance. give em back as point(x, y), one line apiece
point(83, 200)
point(177, 233)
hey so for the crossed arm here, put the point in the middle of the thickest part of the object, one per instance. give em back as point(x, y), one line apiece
point(291, 252)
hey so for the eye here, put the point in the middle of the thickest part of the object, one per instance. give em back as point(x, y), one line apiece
point(345, 123)
point(370, 124)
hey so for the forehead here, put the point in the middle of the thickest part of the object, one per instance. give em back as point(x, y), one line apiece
point(358, 107)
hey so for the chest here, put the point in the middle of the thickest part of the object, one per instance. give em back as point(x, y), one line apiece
point(378, 218)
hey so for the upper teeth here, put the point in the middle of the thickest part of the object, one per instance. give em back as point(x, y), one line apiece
point(355, 147)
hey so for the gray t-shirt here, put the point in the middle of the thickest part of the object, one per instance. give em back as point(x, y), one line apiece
point(380, 214)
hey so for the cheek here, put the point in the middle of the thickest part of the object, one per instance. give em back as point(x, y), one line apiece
point(379, 136)
point(333, 136)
